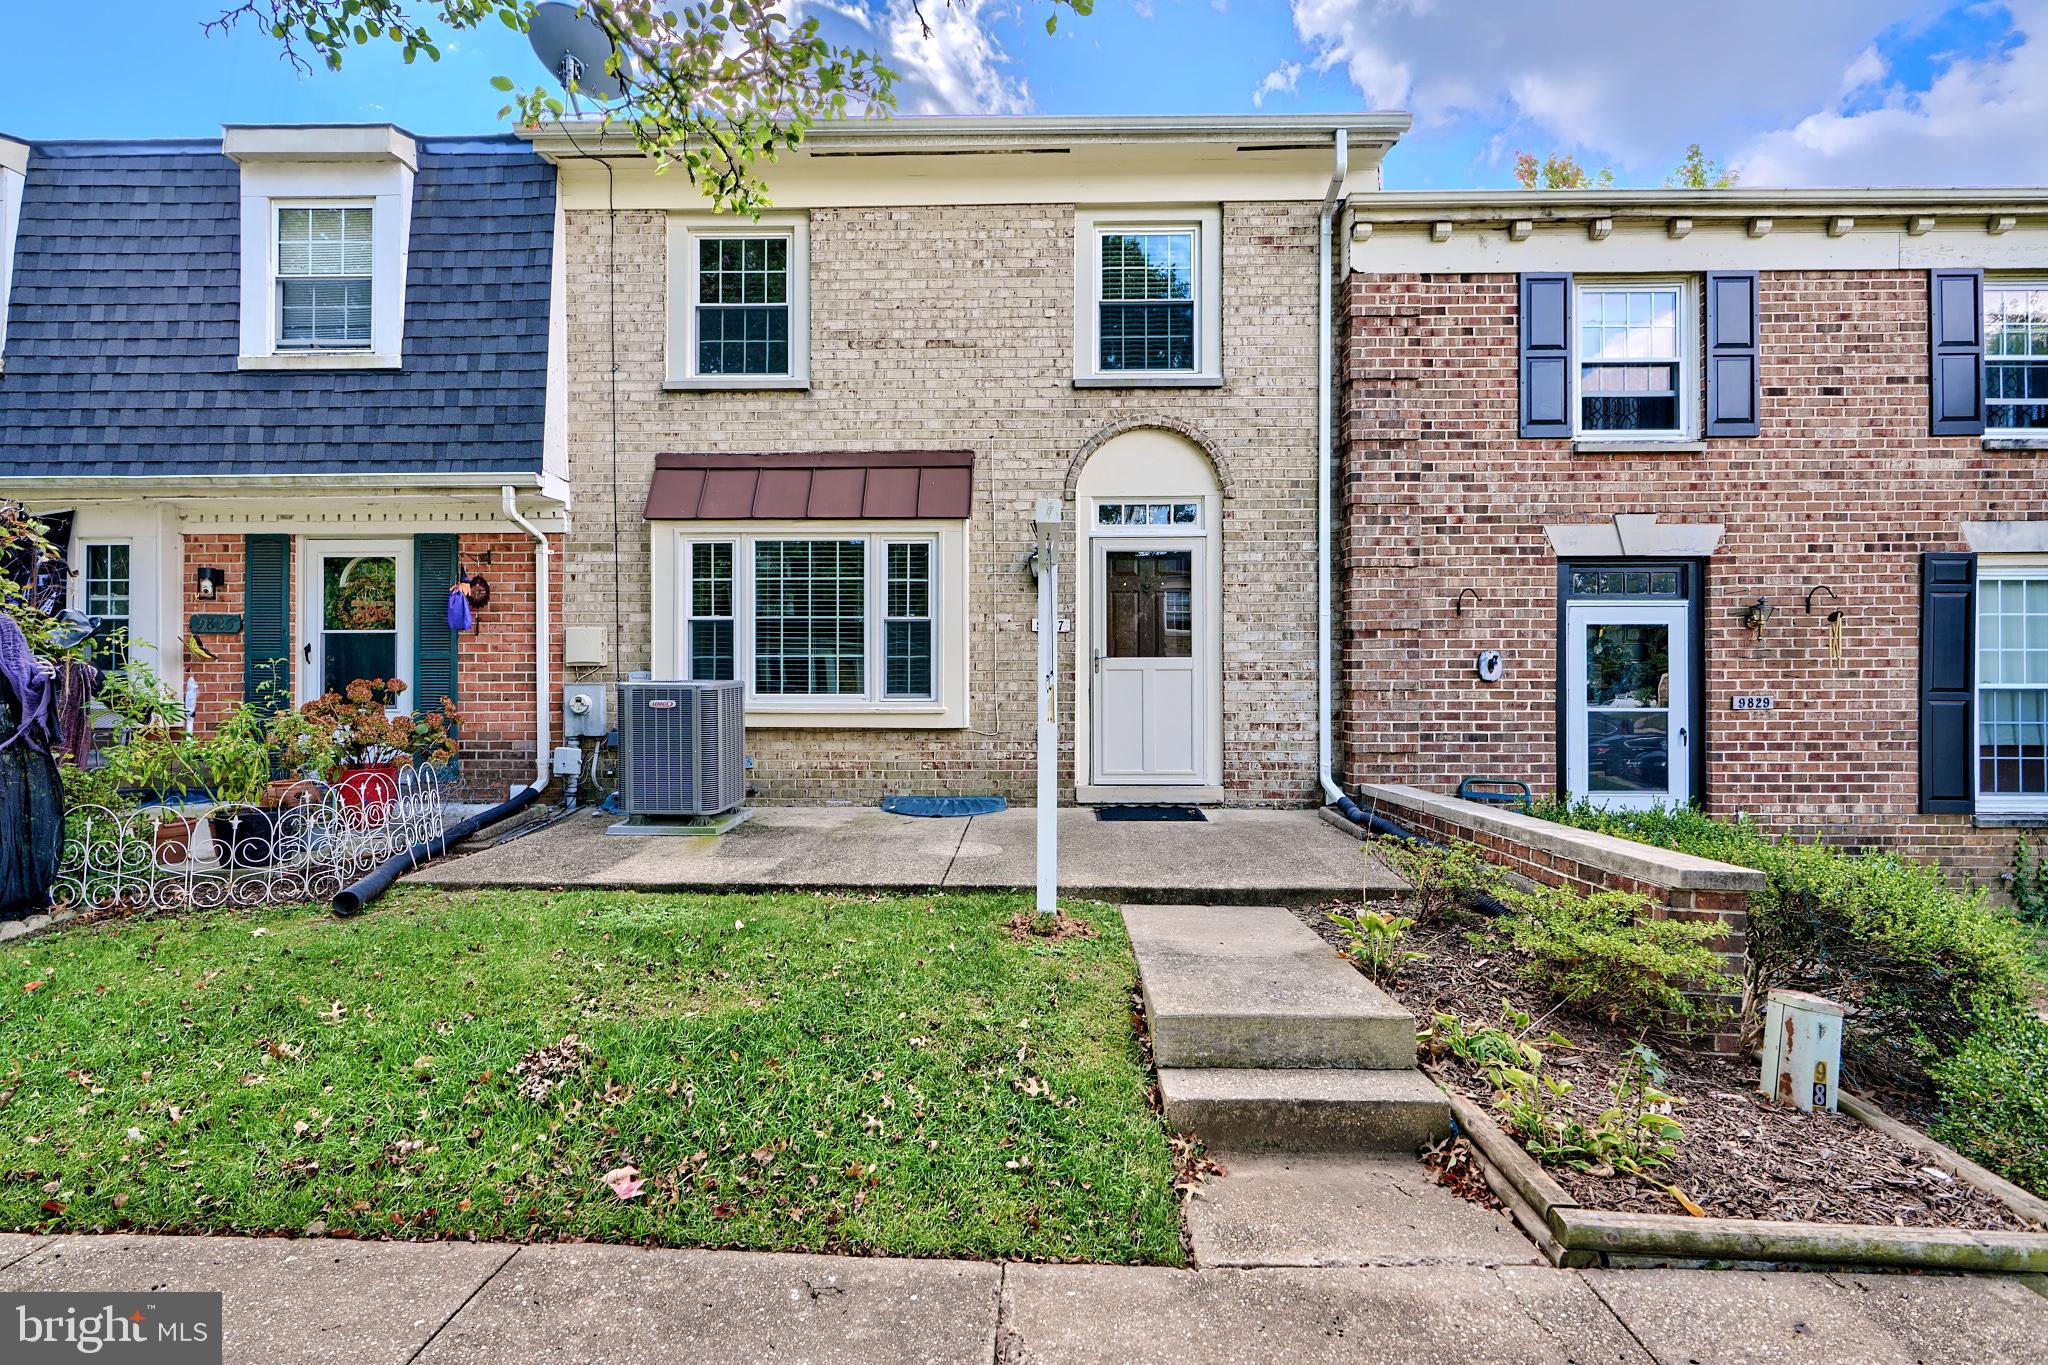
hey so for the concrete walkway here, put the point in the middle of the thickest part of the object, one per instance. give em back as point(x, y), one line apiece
point(395, 1303)
point(1234, 856)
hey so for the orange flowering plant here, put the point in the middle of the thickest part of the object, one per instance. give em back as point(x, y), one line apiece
point(356, 727)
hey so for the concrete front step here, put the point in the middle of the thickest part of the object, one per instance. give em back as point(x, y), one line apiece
point(1253, 986)
point(1280, 1110)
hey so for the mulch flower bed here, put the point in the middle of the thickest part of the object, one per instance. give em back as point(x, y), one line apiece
point(1742, 1155)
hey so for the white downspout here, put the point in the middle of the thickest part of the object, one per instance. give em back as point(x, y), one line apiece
point(543, 709)
point(1325, 474)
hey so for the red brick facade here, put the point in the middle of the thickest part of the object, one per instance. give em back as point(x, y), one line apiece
point(495, 673)
point(1843, 488)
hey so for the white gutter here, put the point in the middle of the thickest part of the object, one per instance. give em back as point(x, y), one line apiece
point(1325, 475)
point(543, 709)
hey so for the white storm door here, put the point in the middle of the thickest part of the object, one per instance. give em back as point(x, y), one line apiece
point(1628, 705)
point(1150, 641)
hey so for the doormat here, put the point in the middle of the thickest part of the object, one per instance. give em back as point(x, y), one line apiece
point(943, 807)
point(1149, 813)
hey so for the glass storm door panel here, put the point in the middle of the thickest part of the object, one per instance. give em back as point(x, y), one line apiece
point(1628, 704)
point(359, 606)
point(1148, 705)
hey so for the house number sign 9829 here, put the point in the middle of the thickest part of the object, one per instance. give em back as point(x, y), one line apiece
point(1755, 701)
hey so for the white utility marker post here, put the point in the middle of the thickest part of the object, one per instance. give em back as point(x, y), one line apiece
point(1048, 519)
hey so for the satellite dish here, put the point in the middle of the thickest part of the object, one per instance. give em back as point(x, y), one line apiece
point(570, 44)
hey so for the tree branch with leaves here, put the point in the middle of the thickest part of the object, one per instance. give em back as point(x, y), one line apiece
point(712, 86)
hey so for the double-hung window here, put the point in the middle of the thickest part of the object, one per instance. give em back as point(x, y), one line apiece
point(2012, 688)
point(810, 619)
point(1148, 306)
point(2016, 356)
point(739, 302)
point(1635, 358)
point(108, 596)
point(324, 277)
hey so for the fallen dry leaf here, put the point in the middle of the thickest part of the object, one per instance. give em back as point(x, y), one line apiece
point(625, 1182)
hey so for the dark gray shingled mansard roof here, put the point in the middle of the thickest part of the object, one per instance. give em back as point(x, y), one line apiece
point(121, 347)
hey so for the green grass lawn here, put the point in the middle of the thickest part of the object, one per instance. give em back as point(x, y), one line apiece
point(883, 1074)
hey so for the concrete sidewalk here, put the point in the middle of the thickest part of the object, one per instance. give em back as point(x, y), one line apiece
point(1234, 856)
point(375, 1302)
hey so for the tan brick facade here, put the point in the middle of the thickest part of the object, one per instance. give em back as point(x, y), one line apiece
point(953, 328)
point(1844, 488)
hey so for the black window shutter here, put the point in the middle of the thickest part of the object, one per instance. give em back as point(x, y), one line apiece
point(267, 622)
point(1948, 649)
point(1546, 355)
point(1955, 361)
point(434, 568)
point(1732, 353)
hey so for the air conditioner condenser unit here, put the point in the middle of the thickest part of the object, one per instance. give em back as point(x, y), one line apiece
point(682, 756)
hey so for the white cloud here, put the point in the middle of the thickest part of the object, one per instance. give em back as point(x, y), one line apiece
point(1979, 122)
point(1281, 80)
point(1869, 68)
point(1618, 80)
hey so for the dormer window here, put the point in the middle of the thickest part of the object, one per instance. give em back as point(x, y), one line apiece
point(325, 277)
point(326, 238)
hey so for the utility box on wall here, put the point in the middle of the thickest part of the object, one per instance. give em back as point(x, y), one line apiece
point(1802, 1050)
point(583, 711)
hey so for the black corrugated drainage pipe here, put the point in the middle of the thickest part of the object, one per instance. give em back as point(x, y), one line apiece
point(351, 899)
point(1372, 822)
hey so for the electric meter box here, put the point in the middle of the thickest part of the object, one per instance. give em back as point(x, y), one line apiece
point(1802, 1050)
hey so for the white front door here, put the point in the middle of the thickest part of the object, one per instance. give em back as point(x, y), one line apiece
point(1149, 630)
point(357, 621)
point(1628, 704)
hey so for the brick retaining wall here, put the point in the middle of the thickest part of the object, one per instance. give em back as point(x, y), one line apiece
point(1679, 885)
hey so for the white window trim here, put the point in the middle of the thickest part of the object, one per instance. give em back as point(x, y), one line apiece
point(310, 615)
point(385, 188)
point(2005, 282)
point(1689, 401)
point(277, 210)
point(1090, 226)
point(13, 180)
point(1998, 568)
point(684, 230)
point(947, 708)
point(81, 586)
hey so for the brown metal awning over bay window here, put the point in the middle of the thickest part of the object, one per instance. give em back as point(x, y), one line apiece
point(824, 485)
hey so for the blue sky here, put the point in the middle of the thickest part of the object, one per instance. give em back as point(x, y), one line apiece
point(1791, 91)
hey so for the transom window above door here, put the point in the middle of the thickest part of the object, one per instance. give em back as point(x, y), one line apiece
point(739, 303)
point(1151, 516)
point(1634, 357)
point(2016, 356)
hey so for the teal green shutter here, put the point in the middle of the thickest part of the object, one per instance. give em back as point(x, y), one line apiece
point(267, 622)
point(434, 568)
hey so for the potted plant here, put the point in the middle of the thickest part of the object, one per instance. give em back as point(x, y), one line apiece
point(362, 745)
point(237, 762)
point(153, 755)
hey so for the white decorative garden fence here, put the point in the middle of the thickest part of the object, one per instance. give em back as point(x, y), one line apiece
point(320, 840)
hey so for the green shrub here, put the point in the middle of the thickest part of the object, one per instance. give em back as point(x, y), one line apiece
point(1921, 963)
point(1374, 937)
point(1994, 1095)
point(1604, 954)
point(1440, 877)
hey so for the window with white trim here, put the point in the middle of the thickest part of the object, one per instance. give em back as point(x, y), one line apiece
point(739, 302)
point(325, 273)
point(838, 619)
point(2012, 688)
point(1635, 361)
point(2016, 356)
point(108, 597)
point(1148, 306)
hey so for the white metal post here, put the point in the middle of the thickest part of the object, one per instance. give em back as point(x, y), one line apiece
point(1048, 707)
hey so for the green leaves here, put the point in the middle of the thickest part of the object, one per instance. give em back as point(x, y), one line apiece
point(714, 86)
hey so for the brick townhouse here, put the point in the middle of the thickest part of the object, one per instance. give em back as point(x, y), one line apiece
point(806, 449)
point(1730, 496)
point(275, 392)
